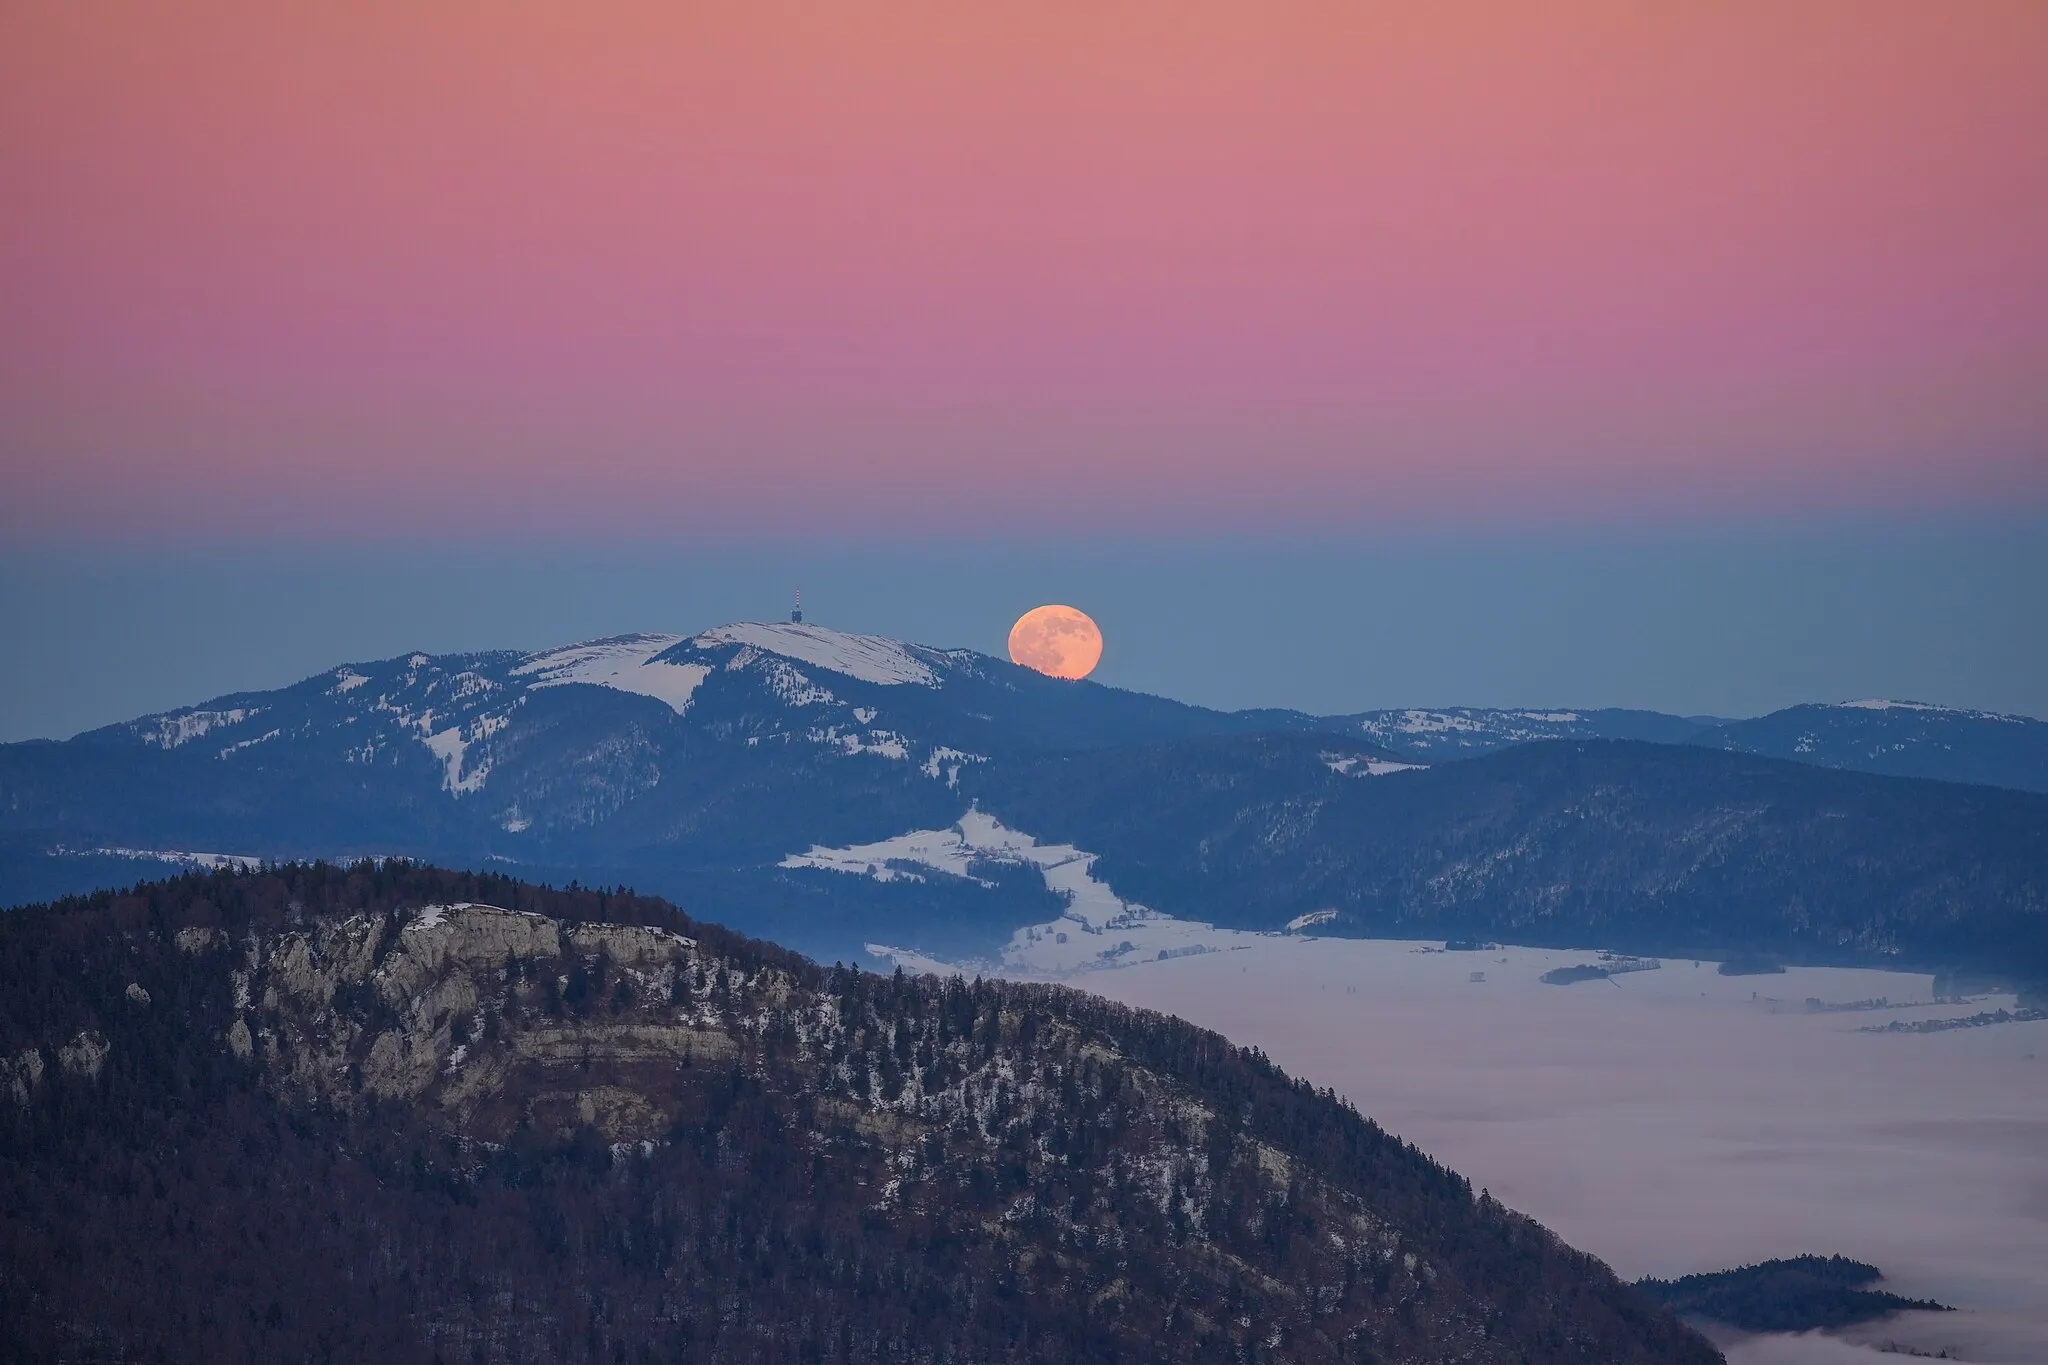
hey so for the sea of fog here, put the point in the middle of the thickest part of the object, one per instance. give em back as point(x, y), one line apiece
point(1670, 1121)
point(1678, 1120)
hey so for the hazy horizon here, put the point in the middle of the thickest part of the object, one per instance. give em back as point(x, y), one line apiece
point(1336, 359)
point(1692, 620)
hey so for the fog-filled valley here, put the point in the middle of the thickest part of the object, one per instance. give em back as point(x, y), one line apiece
point(1677, 1120)
point(1673, 1116)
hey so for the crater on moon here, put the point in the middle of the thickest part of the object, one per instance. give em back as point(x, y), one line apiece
point(1061, 641)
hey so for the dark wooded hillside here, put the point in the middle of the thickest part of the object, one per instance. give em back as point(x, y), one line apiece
point(300, 1115)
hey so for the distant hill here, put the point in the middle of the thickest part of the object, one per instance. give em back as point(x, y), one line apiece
point(1438, 735)
point(1899, 738)
point(725, 749)
point(699, 764)
point(1650, 847)
point(1799, 1294)
point(403, 1115)
point(1895, 738)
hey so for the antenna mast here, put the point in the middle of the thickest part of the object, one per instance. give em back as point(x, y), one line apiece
point(796, 613)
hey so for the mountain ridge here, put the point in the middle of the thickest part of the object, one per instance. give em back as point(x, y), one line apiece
point(1899, 739)
point(1611, 843)
point(708, 761)
point(582, 1126)
point(1895, 737)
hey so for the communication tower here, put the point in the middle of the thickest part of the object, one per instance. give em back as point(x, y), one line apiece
point(796, 613)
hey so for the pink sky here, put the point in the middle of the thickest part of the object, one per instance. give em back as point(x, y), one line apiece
point(762, 266)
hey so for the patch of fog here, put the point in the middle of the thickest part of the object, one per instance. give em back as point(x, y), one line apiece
point(1881, 1342)
point(1677, 1120)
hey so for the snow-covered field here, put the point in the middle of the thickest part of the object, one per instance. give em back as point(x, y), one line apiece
point(205, 861)
point(1099, 931)
point(1669, 1120)
point(625, 663)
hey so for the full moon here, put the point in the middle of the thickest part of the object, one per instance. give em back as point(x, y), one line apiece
point(1060, 641)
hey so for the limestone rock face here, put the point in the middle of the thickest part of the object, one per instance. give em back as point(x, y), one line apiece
point(85, 1054)
point(629, 944)
point(493, 1019)
point(198, 938)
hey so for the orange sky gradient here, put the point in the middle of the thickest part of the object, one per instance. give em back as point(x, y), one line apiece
point(722, 267)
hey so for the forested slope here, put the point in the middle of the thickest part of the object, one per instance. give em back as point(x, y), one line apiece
point(399, 1114)
point(1611, 843)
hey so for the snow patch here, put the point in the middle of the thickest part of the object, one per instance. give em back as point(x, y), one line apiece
point(1926, 708)
point(792, 687)
point(1355, 765)
point(882, 743)
point(250, 743)
point(1421, 722)
point(210, 861)
point(1434, 722)
point(950, 761)
point(914, 962)
point(449, 746)
point(944, 850)
point(624, 663)
point(432, 916)
point(182, 727)
point(1100, 930)
point(870, 658)
point(346, 680)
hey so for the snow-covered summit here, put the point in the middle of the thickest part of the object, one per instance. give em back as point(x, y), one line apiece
point(669, 668)
point(870, 658)
point(626, 663)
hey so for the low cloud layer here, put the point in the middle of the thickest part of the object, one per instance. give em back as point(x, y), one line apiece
point(1677, 1120)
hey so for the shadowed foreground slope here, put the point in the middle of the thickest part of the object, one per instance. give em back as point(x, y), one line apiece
point(298, 1115)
